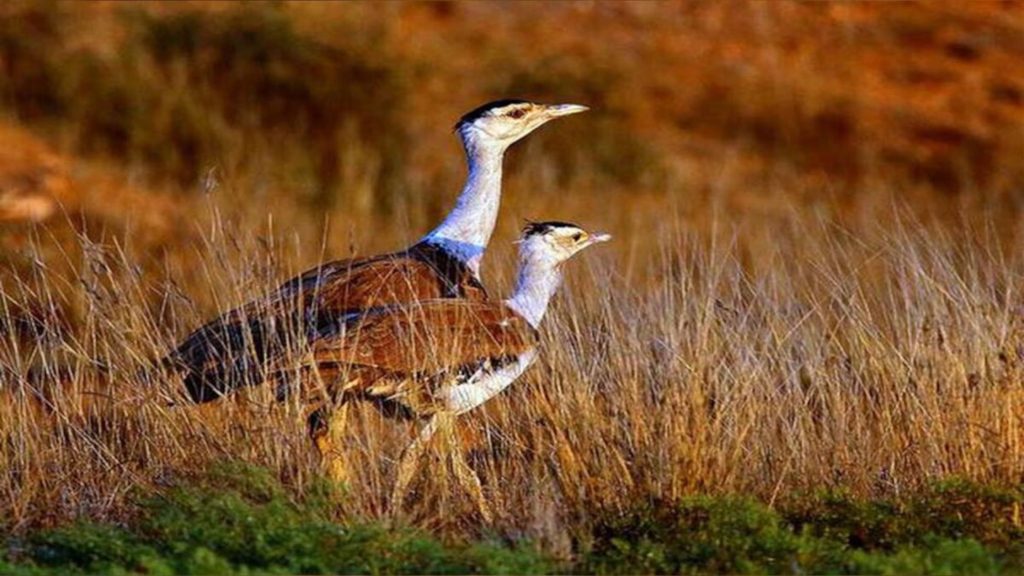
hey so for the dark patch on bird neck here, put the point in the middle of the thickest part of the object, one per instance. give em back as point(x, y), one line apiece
point(455, 276)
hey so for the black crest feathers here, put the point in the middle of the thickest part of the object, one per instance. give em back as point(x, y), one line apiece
point(534, 228)
point(479, 111)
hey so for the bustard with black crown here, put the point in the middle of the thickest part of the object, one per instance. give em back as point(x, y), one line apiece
point(439, 358)
point(231, 350)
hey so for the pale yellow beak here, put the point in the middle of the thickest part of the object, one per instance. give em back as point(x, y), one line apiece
point(559, 110)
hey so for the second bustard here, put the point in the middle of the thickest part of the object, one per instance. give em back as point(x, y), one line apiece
point(441, 358)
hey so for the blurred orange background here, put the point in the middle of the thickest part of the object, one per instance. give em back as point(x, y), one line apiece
point(329, 124)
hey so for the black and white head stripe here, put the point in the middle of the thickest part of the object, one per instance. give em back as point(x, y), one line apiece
point(535, 228)
point(482, 110)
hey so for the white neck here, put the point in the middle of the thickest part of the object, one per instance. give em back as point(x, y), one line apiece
point(467, 229)
point(536, 284)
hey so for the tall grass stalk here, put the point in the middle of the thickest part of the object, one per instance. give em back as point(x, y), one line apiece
point(872, 359)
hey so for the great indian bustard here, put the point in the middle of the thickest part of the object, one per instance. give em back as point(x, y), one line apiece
point(437, 358)
point(231, 350)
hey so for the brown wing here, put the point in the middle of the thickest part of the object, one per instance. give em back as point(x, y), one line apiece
point(409, 350)
point(233, 349)
point(423, 272)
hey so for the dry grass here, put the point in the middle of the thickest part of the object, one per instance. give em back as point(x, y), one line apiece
point(793, 301)
point(867, 360)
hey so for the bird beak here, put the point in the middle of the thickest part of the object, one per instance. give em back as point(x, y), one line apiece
point(599, 238)
point(558, 110)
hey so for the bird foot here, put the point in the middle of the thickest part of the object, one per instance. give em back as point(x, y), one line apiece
point(332, 462)
point(336, 470)
point(485, 513)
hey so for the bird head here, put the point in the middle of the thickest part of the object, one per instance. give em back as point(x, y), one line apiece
point(549, 244)
point(503, 122)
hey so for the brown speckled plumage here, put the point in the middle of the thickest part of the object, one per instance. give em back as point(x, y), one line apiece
point(231, 350)
point(406, 353)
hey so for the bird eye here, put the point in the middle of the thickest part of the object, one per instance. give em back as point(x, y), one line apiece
point(516, 113)
point(577, 236)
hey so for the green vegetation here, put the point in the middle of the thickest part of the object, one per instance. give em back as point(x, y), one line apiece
point(240, 519)
point(953, 528)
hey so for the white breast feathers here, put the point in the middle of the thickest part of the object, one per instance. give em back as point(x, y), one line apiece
point(484, 384)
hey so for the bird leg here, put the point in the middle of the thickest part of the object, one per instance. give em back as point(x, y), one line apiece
point(327, 427)
point(465, 474)
point(407, 463)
